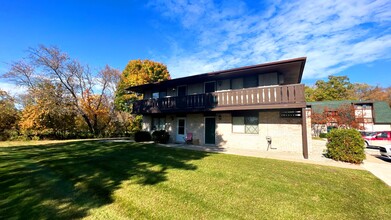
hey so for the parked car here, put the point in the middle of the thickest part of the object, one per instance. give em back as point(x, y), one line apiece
point(385, 151)
point(367, 135)
point(379, 138)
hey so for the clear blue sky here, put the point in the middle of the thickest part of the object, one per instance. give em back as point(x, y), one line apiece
point(350, 38)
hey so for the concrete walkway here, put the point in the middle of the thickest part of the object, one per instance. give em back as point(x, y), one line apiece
point(315, 156)
point(378, 166)
point(381, 168)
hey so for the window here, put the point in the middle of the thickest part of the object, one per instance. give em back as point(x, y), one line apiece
point(158, 124)
point(160, 94)
point(382, 135)
point(182, 91)
point(181, 126)
point(237, 83)
point(155, 95)
point(245, 124)
point(267, 79)
point(250, 81)
point(210, 87)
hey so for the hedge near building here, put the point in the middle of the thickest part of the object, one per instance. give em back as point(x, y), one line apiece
point(345, 145)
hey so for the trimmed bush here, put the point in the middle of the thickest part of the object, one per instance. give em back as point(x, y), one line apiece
point(141, 136)
point(323, 135)
point(345, 145)
point(161, 137)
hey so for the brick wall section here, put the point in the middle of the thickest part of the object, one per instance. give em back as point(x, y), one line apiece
point(285, 133)
point(146, 123)
point(195, 125)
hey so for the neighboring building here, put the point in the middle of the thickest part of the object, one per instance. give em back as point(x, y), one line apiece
point(372, 115)
point(236, 108)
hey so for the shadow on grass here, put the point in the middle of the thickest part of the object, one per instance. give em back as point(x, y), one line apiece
point(66, 180)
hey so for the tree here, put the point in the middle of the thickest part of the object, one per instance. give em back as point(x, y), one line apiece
point(49, 63)
point(363, 91)
point(48, 112)
point(318, 121)
point(336, 88)
point(309, 93)
point(346, 117)
point(138, 72)
point(8, 114)
point(342, 117)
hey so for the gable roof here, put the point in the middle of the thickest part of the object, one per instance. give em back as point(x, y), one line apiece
point(381, 110)
point(292, 70)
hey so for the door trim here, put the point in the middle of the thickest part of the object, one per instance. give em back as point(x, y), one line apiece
point(177, 130)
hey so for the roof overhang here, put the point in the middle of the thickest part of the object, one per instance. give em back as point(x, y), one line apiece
point(291, 70)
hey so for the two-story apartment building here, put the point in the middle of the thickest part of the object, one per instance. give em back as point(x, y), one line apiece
point(371, 115)
point(260, 107)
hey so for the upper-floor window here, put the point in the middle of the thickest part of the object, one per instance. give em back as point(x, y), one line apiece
point(159, 94)
point(210, 87)
point(237, 83)
point(268, 79)
point(250, 81)
point(182, 91)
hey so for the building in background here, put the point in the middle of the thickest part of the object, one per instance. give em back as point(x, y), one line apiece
point(371, 115)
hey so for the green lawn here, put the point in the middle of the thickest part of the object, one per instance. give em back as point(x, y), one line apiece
point(113, 180)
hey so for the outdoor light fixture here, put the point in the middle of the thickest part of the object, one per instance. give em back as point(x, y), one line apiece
point(219, 116)
point(220, 82)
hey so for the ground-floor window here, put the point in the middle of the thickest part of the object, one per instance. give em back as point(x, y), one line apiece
point(245, 124)
point(158, 124)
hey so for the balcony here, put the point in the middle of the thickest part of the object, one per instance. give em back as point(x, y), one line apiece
point(273, 97)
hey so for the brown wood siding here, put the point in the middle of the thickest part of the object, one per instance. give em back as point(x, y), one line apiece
point(286, 96)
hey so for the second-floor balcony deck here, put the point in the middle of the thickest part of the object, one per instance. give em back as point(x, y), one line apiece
point(271, 97)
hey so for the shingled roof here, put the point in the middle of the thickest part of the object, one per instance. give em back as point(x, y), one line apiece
point(382, 112)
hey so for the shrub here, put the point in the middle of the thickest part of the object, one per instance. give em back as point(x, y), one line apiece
point(345, 145)
point(323, 135)
point(161, 137)
point(141, 136)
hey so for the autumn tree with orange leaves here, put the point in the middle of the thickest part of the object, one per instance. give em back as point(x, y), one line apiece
point(342, 117)
point(89, 94)
point(138, 72)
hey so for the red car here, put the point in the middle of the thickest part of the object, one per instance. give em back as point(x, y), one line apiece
point(377, 138)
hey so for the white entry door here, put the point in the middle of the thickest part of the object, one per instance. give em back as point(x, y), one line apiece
point(181, 130)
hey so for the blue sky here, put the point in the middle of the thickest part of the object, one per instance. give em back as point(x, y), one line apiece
point(350, 38)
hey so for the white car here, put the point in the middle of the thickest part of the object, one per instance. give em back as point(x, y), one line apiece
point(385, 151)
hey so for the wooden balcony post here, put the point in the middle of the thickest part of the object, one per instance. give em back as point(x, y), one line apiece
point(304, 132)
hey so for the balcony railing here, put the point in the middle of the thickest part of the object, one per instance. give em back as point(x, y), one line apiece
point(252, 98)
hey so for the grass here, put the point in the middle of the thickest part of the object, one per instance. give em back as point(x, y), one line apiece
point(114, 180)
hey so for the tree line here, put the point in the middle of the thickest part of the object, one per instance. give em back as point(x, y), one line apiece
point(340, 88)
point(67, 99)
